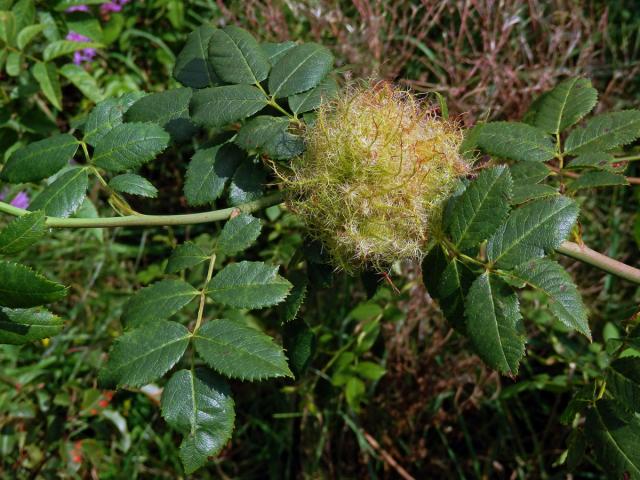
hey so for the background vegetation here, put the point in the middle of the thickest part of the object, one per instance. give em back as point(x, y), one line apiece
point(392, 391)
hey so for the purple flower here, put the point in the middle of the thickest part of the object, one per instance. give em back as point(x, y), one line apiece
point(78, 8)
point(113, 6)
point(84, 55)
point(21, 200)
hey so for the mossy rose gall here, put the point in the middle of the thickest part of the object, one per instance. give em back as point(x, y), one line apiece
point(377, 168)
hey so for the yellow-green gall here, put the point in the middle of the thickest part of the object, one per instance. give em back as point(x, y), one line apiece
point(377, 168)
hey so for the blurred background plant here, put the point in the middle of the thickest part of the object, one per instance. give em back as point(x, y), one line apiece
point(388, 390)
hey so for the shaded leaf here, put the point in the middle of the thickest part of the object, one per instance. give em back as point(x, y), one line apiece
point(60, 48)
point(27, 34)
point(248, 285)
point(594, 160)
point(238, 351)
point(565, 105)
point(615, 435)
point(493, 323)
point(247, 183)
point(64, 196)
point(527, 173)
point(516, 141)
point(524, 193)
point(157, 302)
point(185, 256)
point(39, 159)
point(192, 68)
point(134, 185)
point(47, 77)
point(218, 106)
point(21, 287)
point(597, 179)
point(312, 99)
point(301, 344)
point(238, 234)
point(604, 132)
point(199, 405)
point(107, 115)
point(531, 231)
point(145, 354)
point(623, 381)
point(299, 69)
point(169, 109)
point(481, 208)
point(83, 81)
point(129, 146)
point(209, 171)
point(18, 326)
point(565, 301)
point(22, 232)
point(236, 56)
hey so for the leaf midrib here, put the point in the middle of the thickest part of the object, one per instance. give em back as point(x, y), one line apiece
point(614, 442)
point(241, 350)
point(528, 232)
point(477, 210)
point(286, 79)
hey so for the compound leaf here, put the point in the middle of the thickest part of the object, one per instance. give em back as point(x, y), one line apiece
point(565, 105)
point(130, 145)
point(248, 285)
point(219, 106)
point(19, 326)
point(21, 287)
point(199, 405)
point(145, 354)
point(237, 57)
point(299, 69)
point(209, 171)
point(238, 234)
point(565, 302)
point(238, 351)
point(64, 196)
point(134, 185)
point(157, 302)
point(516, 141)
point(39, 159)
point(532, 230)
point(481, 208)
point(22, 232)
point(493, 318)
point(604, 132)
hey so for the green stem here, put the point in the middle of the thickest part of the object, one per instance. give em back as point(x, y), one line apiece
point(203, 293)
point(628, 159)
point(150, 220)
point(570, 249)
point(598, 260)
